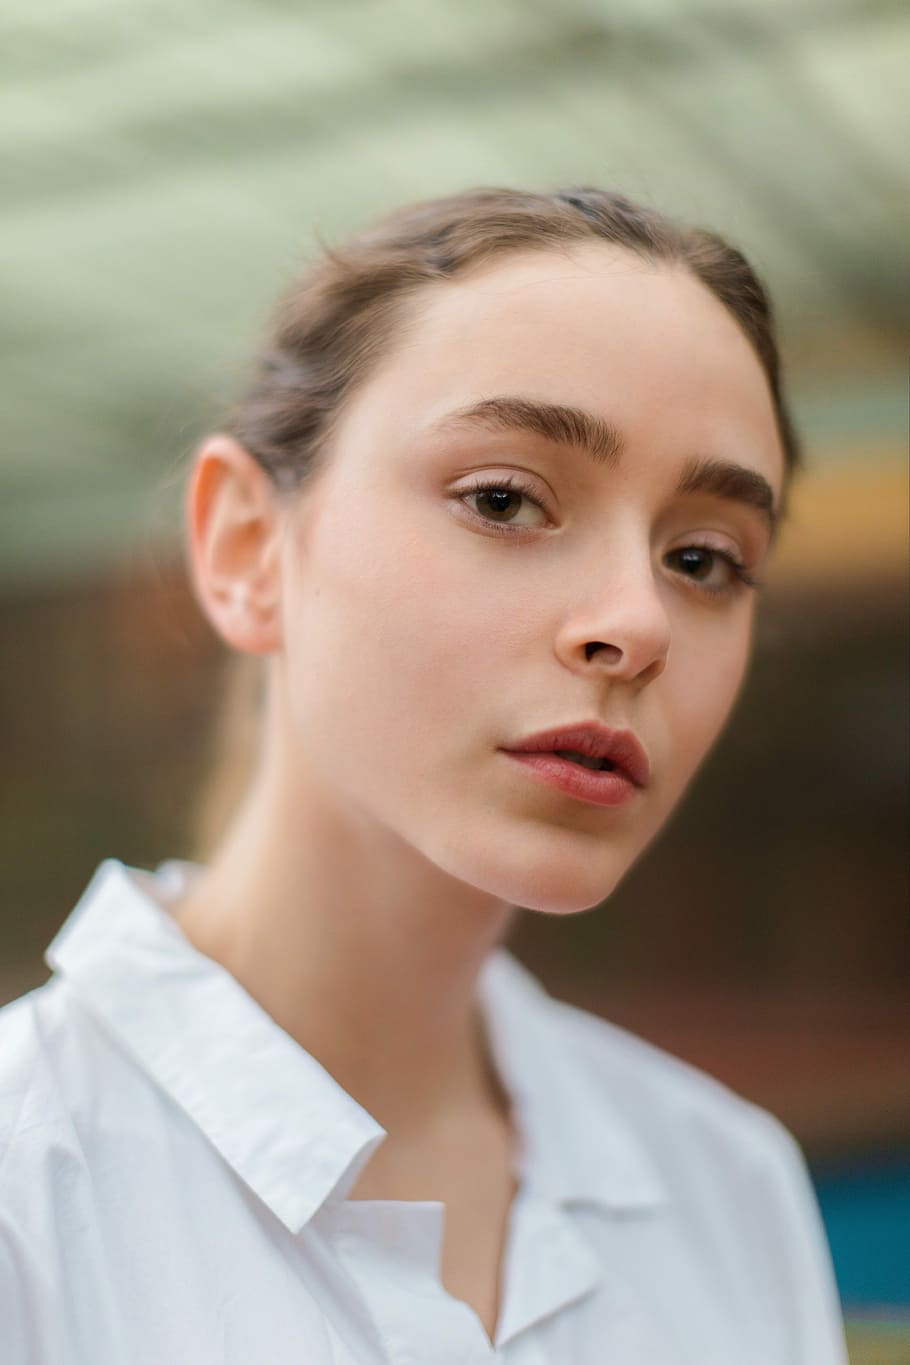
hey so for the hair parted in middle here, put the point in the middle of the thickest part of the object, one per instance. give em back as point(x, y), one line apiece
point(333, 322)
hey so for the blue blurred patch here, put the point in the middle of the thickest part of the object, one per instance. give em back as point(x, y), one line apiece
point(865, 1204)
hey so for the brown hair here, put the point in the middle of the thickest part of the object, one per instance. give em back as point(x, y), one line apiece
point(332, 324)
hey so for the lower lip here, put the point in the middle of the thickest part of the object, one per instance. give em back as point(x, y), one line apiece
point(586, 784)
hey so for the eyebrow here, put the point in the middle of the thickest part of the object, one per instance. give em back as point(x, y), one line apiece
point(556, 422)
point(603, 442)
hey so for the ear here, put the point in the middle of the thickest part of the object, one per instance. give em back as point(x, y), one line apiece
point(233, 527)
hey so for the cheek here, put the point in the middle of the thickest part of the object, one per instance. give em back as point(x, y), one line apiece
point(709, 673)
point(387, 637)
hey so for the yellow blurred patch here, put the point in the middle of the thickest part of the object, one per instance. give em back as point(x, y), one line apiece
point(846, 518)
point(874, 1344)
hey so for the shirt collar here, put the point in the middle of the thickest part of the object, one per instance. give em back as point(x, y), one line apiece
point(289, 1130)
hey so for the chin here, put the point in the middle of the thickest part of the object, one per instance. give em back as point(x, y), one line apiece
point(567, 899)
point(560, 884)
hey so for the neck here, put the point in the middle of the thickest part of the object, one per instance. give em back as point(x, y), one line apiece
point(361, 949)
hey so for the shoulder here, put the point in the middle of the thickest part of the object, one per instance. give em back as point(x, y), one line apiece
point(29, 1099)
point(719, 1157)
point(44, 1075)
point(38, 1157)
point(661, 1092)
point(76, 1119)
point(64, 1085)
point(728, 1164)
point(695, 1136)
point(732, 1179)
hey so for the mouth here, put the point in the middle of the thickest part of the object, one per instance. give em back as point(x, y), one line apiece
point(597, 765)
point(589, 747)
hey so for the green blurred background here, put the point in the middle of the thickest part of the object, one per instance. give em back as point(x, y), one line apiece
point(167, 166)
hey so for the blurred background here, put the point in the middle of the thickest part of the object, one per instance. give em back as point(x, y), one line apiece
point(168, 166)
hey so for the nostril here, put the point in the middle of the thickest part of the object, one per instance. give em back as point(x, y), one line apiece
point(612, 652)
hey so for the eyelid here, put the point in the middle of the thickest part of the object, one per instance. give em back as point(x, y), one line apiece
point(514, 483)
point(717, 529)
point(737, 526)
point(719, 541)
point(520, 479)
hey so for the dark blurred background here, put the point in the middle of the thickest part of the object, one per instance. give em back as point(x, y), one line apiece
point(166, 168)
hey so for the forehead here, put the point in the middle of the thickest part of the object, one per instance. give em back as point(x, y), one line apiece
point(645, 345)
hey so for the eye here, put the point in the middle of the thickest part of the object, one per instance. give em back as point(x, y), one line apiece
point(499, 501)
point(716, 573)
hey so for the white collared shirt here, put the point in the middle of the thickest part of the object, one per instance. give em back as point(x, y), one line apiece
point(174, 1171)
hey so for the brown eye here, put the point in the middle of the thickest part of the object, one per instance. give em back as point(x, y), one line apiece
point(499, 501)
point(694, 561)
point(714, 573)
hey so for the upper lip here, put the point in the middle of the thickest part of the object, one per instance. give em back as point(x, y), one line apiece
point(594, 741)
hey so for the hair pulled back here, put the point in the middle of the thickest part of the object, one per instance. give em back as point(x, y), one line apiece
point(333, 322)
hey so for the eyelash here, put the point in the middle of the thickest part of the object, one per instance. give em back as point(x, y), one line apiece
point(509, 483)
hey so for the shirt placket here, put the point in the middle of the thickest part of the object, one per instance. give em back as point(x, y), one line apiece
point(393, 1252)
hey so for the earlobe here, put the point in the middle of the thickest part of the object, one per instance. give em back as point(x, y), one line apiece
point(232, 541)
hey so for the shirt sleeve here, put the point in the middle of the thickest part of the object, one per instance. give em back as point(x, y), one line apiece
point(803, 1309)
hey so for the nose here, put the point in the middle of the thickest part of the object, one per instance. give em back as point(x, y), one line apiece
point(623, 632)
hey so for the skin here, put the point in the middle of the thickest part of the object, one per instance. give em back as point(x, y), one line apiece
point(385, 840)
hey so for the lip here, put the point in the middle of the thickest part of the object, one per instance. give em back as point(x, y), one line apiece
point(596, 788)
point(629, 762)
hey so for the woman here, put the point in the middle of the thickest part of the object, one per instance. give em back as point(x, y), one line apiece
point(492, 516)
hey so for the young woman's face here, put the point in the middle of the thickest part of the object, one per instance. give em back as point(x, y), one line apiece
point(426, 626)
